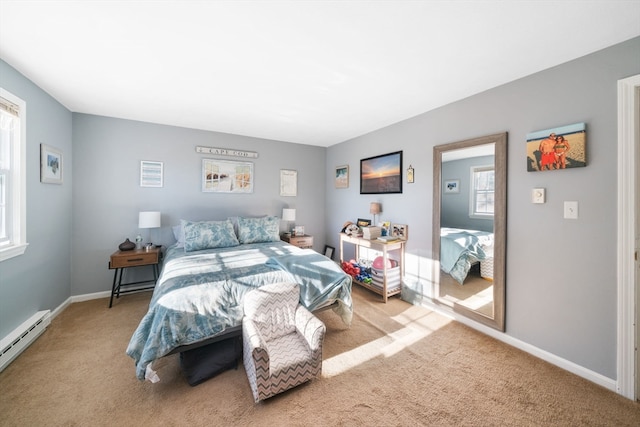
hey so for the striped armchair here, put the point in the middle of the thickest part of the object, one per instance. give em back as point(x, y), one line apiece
point(282, 340)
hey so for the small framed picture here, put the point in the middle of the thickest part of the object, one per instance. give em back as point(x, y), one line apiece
point(299, 230)
point(452, 186)
point(342, 176)
point(386, 227)
point(363, 222)
point(400, 230)
point(328, 251)
point(288, 183)
point(410, 175)
point(151, 174)
point(50, 165)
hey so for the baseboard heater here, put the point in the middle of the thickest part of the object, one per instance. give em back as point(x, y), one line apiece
point(18, 340)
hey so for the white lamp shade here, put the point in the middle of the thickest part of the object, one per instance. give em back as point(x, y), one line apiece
point(149, 220)
point(375, 208)
point(288, 214)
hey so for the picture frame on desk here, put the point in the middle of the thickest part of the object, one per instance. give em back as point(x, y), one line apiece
point(363, 222)
point(400, 230)
point(298, 230)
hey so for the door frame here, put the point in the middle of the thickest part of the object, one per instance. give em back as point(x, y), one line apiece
point(628, 129)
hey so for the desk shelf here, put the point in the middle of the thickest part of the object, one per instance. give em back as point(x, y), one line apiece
point(387, 290)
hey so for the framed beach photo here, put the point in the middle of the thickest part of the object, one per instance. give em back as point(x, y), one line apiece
point(342, 176)
point(50, 165)
point(381, 174)
point(557, 148)
point(451, 186)
point(223, 176)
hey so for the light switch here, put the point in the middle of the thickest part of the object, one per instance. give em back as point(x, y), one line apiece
point(537, 195)
point(571, 210)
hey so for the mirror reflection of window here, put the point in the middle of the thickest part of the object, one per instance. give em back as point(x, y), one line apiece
point(483, 194)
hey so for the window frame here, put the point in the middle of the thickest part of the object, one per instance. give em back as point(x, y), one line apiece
point(18, 199)
point(473, 192)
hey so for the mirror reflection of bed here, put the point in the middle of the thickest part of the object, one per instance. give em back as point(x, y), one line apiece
point(469, 227)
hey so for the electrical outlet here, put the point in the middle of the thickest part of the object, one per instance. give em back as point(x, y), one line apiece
point(571, 210)
point(537, 195)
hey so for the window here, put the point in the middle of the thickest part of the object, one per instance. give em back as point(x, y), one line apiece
point(482, 191)
point(13, 233)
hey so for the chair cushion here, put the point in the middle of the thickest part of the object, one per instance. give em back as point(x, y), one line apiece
point(288, 355)
point(272, 308)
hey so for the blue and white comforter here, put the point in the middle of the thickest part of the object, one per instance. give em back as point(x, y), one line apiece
point(460, 248)
point(200, 294)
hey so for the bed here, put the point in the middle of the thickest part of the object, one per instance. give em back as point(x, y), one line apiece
point(199, 295)
point(460, 249)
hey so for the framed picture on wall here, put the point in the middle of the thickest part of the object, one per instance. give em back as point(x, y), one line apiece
point(381, 174)
point(451, 186)
point(223, 176)
point(50, 165)
point(288, 183)
point(342, 176)
point(151, 174)
point(557, 148)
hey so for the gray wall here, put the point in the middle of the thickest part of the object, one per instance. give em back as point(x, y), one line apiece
point(455, 206)
point(41, 278)
point(107, 196)
point(561, 274)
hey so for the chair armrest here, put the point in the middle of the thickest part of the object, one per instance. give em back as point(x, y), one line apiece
point(310, 327)
point(253, 341)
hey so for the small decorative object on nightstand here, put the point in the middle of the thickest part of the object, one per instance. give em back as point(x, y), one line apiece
point(133, 258)
point(304, 241)
point(127, 245)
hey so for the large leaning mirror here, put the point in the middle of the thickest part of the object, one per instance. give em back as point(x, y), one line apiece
point(469, 227)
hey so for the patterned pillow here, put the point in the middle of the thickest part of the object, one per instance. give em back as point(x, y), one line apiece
point(208, 235)
point(258, 230)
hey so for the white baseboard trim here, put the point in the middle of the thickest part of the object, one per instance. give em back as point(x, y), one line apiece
point(88, 297)
point(567, 365)
point(78, 298)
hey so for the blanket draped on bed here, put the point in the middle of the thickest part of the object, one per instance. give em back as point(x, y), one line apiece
point(200, 294)
point(461, 248)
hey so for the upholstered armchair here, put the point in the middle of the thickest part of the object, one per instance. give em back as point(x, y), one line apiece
point(282, 340)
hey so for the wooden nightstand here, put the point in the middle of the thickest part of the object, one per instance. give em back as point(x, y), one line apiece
point(135, 258)
point(304, 242)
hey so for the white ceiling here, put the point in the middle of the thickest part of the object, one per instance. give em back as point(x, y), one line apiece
point(310, 72)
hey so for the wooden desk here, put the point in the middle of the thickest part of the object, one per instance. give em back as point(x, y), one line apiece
point(385, 248)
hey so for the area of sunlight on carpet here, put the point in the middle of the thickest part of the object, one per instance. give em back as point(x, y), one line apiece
point(413, 330)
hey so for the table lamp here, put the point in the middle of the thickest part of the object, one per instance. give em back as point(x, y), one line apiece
point(289, 215)
point(375, 208)
point(147, 220)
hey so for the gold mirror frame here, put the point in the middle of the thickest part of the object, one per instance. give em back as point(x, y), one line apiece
point(497, 321)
